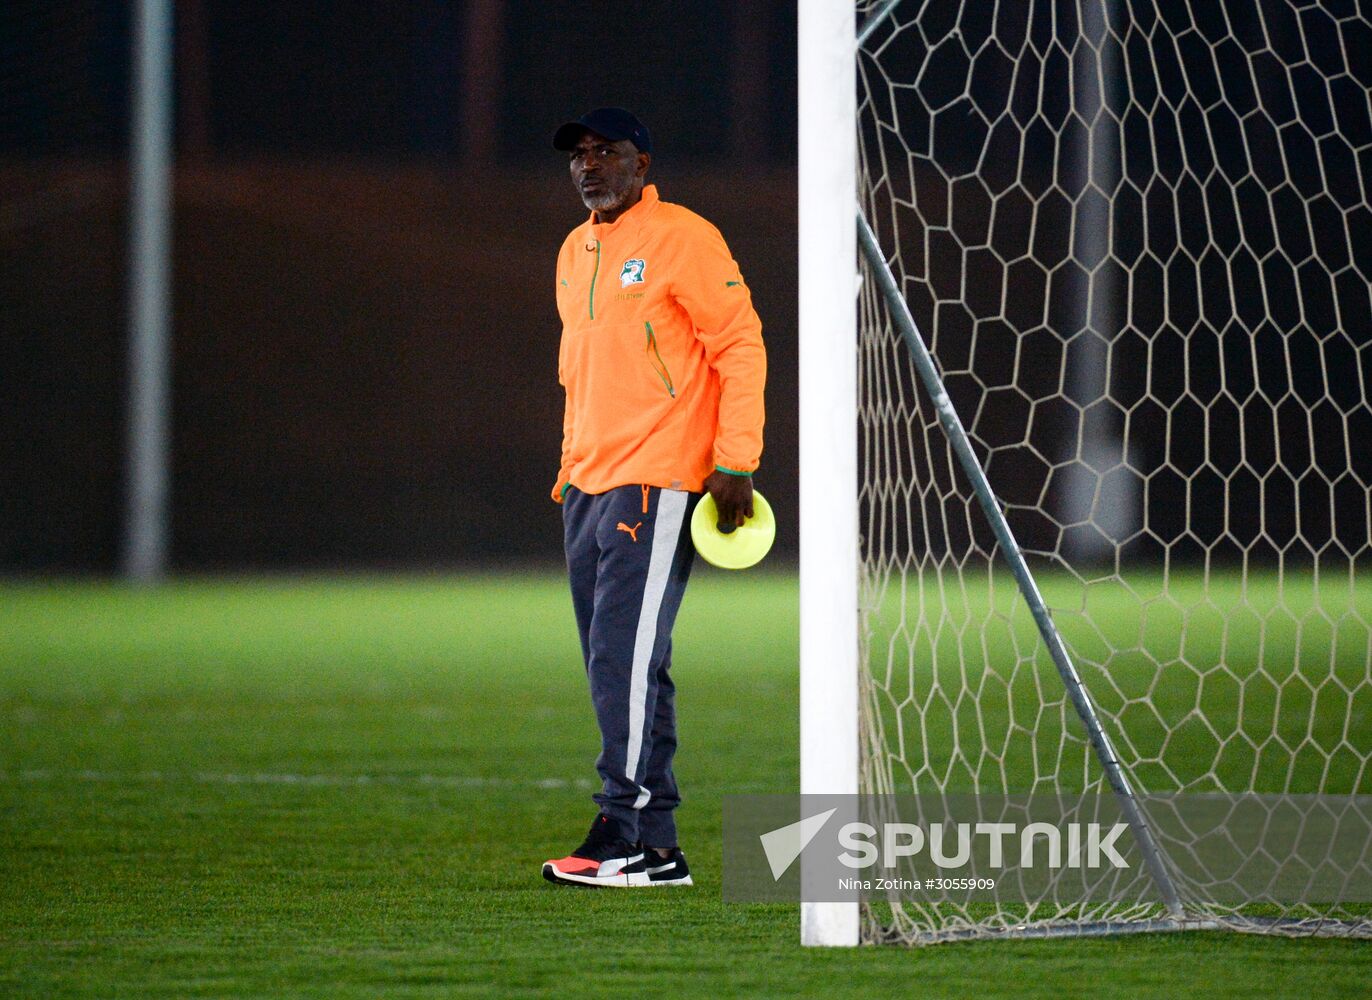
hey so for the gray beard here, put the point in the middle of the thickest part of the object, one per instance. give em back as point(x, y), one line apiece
point(602, 202)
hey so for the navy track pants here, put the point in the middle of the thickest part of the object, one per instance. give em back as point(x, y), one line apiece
point(629, 555)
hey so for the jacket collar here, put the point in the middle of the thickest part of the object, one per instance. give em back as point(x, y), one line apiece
point(630, 219)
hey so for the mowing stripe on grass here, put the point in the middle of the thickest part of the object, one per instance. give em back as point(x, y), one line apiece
point(208, 778)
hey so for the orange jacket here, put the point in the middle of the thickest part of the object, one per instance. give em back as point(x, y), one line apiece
point(661, 357)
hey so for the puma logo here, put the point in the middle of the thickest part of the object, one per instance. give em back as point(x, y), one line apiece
point(633, 532)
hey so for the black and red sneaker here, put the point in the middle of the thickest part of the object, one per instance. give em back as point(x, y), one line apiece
point(653, 869)
point(600, 860)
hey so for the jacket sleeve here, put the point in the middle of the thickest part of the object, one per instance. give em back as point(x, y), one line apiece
point(708, 285)
point(564, 472)
point(564, 469)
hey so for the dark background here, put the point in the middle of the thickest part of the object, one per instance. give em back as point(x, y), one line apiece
point(367, 211)
point(368, 208)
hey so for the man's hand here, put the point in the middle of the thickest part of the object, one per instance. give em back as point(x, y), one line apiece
point(733, 495)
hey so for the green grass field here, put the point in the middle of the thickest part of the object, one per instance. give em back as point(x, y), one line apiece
point(344, 788)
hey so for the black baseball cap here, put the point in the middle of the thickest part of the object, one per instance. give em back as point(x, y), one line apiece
point(613, 123)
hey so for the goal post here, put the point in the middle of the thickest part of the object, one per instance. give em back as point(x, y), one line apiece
point(828, 426)
point(1108, 397)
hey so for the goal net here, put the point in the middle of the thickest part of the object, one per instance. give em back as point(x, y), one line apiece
point(1136, 239)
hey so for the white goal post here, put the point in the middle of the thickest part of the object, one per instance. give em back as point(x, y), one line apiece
point(1086, 397)
point(828, 426)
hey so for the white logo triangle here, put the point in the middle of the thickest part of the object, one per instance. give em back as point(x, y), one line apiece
point(784, 844)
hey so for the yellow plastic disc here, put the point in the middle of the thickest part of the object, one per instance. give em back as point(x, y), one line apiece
point(742, 547)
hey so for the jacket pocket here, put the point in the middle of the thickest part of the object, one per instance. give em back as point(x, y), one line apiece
point(655, 360)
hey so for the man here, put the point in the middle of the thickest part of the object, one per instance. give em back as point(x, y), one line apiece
point(663, 366)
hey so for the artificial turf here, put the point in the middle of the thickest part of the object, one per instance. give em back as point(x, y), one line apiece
point(344, 787)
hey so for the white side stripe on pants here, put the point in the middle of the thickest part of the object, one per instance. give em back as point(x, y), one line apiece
point(671, 512)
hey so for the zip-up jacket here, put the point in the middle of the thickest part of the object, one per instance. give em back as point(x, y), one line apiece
point(661, 357)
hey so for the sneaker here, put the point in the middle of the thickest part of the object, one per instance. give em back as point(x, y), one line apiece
point(600, 860)
point(654, 869)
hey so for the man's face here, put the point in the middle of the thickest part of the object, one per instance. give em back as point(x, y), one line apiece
point(608, 175)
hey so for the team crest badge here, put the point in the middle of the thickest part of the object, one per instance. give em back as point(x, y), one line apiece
point(632, 273)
